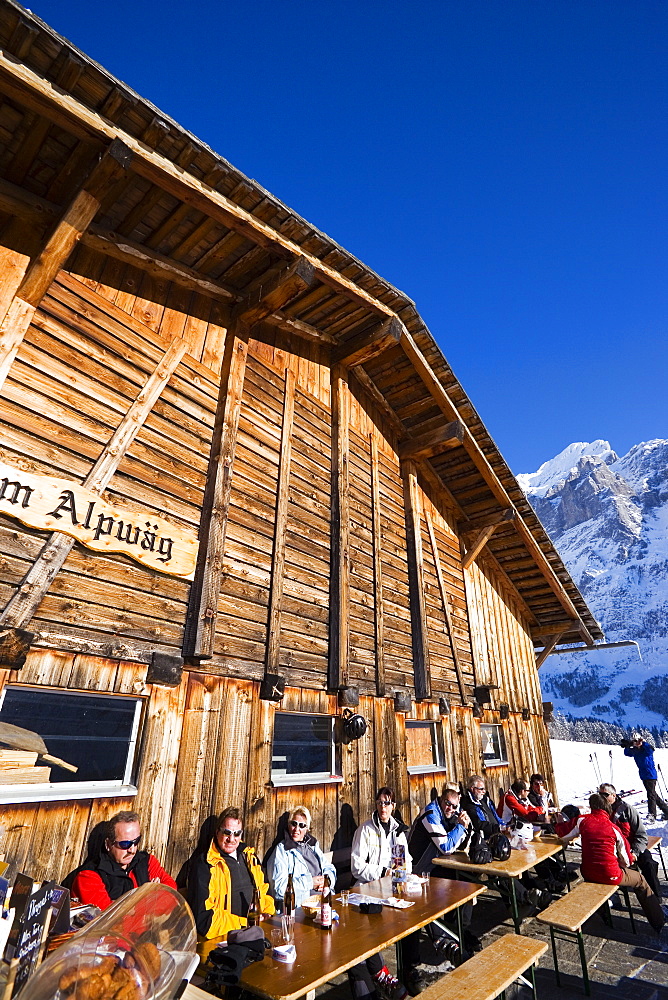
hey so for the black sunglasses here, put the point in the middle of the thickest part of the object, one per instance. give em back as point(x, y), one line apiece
point(125, 845)
point(231, 833)
point(294, 822)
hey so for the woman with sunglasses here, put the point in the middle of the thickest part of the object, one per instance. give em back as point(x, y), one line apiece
point(299, 855)
point(119, 867)
point(222, 880)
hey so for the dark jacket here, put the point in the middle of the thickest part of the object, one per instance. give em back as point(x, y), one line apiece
point(101, 882)
point(627, 818)
point(483, 815)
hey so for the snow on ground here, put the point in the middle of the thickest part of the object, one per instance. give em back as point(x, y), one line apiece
point(579, 768)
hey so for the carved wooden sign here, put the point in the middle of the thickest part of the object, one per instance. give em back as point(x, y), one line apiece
point(52, 504)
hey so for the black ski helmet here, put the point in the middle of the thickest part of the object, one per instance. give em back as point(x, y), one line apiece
point(354, 726)
point(499, 845)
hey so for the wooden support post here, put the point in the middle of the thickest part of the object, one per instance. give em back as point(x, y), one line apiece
point(446, 609)
point(339, 630)
point(77, 217)
point(550, 645)
point(478, 545)
point(420, 640)
point(433, 442)
point(379, 614)
point(368, 346)
point(280, 529)
point(202, 613)
point(44, 570)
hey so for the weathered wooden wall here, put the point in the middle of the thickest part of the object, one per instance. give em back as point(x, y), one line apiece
point(207, 743)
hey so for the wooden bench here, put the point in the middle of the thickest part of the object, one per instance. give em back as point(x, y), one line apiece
point(490, 972)
point(655, 842)
point(568, 914)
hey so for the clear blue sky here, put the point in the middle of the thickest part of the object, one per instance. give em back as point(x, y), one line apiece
point(503, 163)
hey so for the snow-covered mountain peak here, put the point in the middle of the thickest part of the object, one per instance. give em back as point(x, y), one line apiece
point(608, 518)
point(564, 465)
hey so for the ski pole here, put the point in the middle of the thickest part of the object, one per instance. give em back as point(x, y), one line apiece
point(663, 780)
point(593, 764)
point(610, 752)
point(598, 767)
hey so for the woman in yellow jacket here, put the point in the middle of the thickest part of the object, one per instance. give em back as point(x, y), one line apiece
point(221, 881)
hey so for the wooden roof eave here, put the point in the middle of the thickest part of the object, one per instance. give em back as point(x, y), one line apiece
point(44, 97)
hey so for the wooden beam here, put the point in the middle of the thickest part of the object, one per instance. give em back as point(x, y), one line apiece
point(44, 570)
point(432, 443)
point(68, 231)
point(419, 634)
point(548, 649)
point(498, 518)
point(34, 91)
point(539, 632)
point(478, 545)
point(446, 609)
point(200, 628)
point(297, 327)
point(339, 601)
point(271, 662)
point(367, 383)
point(38, 213)
point(150, 261)
point(278, 291)
point(440, 396)
point(368, 346)
point(377, 535)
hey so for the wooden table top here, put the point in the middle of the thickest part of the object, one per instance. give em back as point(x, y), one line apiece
point(321, 955)
point(518, 862)
point(653, 841)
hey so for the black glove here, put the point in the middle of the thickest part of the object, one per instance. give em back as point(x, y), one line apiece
point(626, 744)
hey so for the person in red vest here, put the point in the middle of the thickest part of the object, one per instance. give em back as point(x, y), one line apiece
point(607, 858)
point(120, 867)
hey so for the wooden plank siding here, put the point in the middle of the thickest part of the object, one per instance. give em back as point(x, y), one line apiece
point(188, 249)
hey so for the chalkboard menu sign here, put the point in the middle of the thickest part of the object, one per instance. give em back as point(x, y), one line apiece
point(20, 895)
point(35, 916)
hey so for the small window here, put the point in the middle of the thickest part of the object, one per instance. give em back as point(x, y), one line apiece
point(424, 746)
point(493, 745)
point(304, 750)
point(96, 733)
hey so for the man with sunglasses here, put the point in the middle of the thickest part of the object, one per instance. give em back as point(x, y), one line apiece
point(222, 880)
point(120, 867)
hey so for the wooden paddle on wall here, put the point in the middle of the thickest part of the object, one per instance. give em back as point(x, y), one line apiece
point(24, 739)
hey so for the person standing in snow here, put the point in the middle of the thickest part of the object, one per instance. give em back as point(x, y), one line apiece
point(643, 755)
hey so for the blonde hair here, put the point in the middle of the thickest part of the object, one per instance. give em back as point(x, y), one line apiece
point(302, 811)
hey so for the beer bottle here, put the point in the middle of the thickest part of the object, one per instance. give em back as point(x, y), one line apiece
point(254, 914)
point(326, 905)
point(289, 898)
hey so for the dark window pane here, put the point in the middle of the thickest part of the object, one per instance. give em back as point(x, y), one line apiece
point(302, 745)
point(89, 731)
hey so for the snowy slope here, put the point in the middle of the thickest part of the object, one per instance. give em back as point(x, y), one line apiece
point(579, 768)
point(608, 517)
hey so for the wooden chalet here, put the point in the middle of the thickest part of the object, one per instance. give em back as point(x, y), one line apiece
point(240, 490)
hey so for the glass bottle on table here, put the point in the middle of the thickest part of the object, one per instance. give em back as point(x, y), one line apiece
point(289, 899)
point(254, 915)
point(326, 905)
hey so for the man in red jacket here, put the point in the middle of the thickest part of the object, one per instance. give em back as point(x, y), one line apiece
point(606, 858)
point(120, 867)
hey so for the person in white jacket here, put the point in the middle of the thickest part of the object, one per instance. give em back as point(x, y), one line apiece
point(298, 855)
point(371, 859)
point(371, 855)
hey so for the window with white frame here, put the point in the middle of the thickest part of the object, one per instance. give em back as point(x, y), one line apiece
point(96, 733)
point(493, 745)
point(424, 746)
point(304, 749)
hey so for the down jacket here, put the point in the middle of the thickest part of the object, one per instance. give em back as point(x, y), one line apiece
point(605, 849)
point(371, 854)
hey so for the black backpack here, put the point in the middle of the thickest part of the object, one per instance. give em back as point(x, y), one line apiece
point(479, 851)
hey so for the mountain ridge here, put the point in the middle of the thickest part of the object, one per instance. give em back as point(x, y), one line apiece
point(608, 518)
